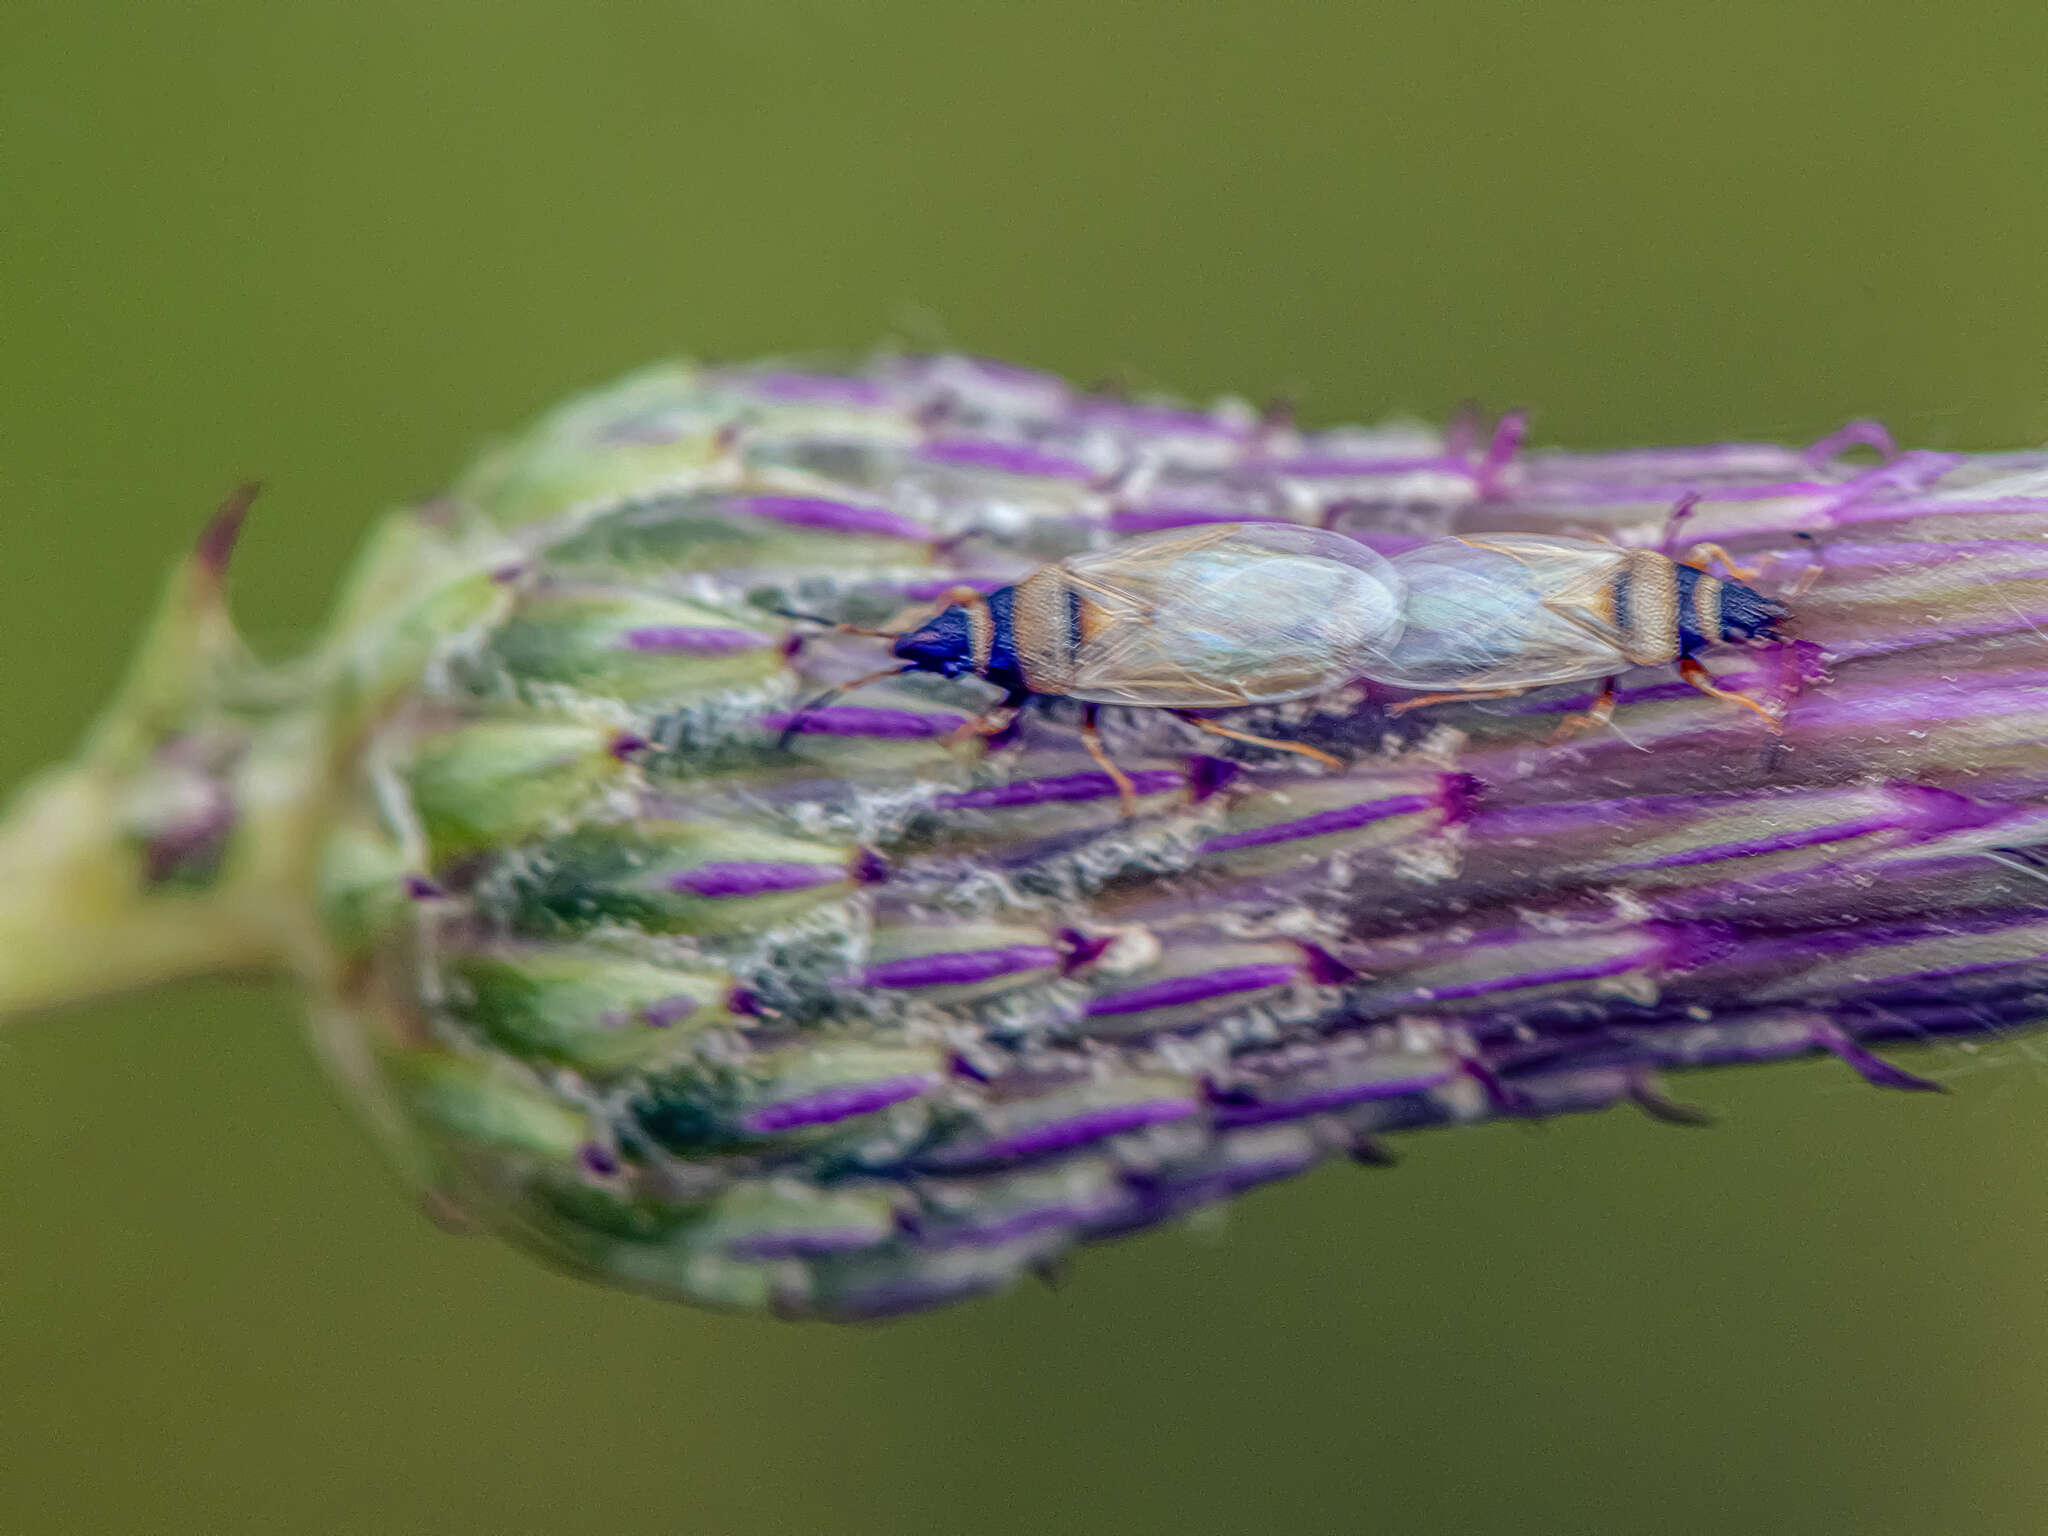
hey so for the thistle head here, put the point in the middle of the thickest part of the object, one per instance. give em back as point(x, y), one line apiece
point(841, 1011)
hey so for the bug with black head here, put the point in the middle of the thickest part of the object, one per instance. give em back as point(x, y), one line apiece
point(1495, 615)
point(1240, 614)
point(1219, 617)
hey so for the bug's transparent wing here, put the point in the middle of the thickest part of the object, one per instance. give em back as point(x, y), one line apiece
point(1508, 611)
point(1575, 577)
point(1231, 615)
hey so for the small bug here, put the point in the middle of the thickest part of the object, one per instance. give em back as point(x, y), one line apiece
point(1239, 614)
point(1219, 617)
point(1494, 616)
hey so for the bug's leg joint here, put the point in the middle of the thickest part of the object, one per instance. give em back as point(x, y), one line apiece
point(1329, 760)
point(1424, 700)
point(1601, 711)
point(992, 721)
point(1690, 669)
point(1700, 556)
point(1091, 738)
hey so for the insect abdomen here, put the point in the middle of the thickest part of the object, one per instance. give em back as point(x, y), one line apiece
point(1651, 594)
point(1043, 630)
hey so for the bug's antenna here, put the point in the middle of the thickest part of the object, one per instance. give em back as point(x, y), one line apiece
point(805, 710)
point(833, 626)
point(795, 613)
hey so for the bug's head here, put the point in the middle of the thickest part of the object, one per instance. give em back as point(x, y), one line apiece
point(1749, 615)
point(943, 643)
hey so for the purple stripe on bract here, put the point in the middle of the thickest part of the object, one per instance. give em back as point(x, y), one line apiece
point(1924, 812)
point(832, 1104)
point(1667, 948)
point(1921, 552)
point(1325, 466)
point(851, 720)
point(1711, 459)
point(1783, 842)
point(1932, 811)
point(719, 881)
point(1614, 965)
point(1007, 458)
point(996, 1231)
point(1893, 511)
point(961, 967)
point(1688, 946)
point(1175, 1190)
point(1345, 818)
point(831, 516)
point(1083, 949)
point(685, 640)
point(1324, 968)
point(1924, 707)
point(1090, 1125)
point(1321, 1100)
point(820, 388)
point(1209, 776)
point(664, 1011)
point(1065, 789)
point(1875, 937)
point(1153, 519)
point(1178, 991)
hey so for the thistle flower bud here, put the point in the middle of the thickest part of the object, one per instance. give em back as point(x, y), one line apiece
point(637, 946)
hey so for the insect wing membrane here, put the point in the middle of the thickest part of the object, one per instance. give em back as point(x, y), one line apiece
point(1574, 577)
point(1230, 615)
point(1508, 611)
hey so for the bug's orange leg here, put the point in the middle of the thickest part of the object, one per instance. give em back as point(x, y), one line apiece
point(990, 722)
point(1601, 712)
point(1690, 669)
point(1421, 700)
point(1698, 556)
point(1258, 741)
point(1091, 737)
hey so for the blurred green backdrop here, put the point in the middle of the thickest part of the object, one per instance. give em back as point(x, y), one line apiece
point(336, 245)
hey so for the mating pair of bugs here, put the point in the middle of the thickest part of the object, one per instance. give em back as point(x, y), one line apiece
point(1239, 614)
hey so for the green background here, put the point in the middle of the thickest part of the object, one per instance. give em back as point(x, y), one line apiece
point(337, 245)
